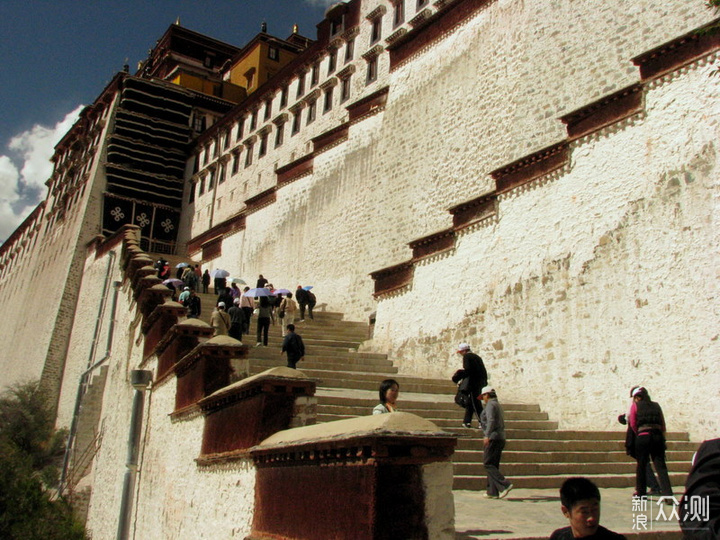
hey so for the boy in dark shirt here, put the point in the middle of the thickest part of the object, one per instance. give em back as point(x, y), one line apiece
point(294, 347)
point(580, 500)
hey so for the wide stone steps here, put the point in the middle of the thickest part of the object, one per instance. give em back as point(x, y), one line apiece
point(512, 456)
point(544, 469)
point(329, 364)
point(537, 455)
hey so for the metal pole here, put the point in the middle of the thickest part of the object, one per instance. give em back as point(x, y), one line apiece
point(85, 377)
point(140, 380)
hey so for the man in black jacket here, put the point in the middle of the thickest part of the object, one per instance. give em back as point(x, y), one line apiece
point(648, 422)
point(237, 320)
point(294, 347)
point(474, 370)
point(302, 297)
point(193, 305)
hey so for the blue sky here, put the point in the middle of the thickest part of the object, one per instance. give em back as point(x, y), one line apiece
point(58, 56)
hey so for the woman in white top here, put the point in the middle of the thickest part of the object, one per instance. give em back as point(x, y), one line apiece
point(389, 392)
point(288, 307)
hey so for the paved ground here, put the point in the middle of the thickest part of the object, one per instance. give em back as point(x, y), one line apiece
point(535, 513)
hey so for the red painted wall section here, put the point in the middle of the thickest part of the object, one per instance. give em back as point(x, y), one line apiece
point(359, 479)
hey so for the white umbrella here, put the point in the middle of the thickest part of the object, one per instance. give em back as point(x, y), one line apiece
point(238, 280)
point(255, 293)
point(182, 265)
point(219, 273)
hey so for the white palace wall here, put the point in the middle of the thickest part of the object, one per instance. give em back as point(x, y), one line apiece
point(38, 293)
point(630, 259)
point(595, 279)
point(174, 497)
point(489, 92)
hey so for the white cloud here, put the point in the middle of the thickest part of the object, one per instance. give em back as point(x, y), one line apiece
point(24, 171)
point(35, 148)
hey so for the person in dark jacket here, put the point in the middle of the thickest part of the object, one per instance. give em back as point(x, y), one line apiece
point(648, 424)
point(703, 486)
point(293, 346)
point(237, 320)
point(302, 297)
point(193, 305)
point(219, 284)
point(263, 321)
point(474, 370)
point(226, 296)
point(652, 483)
point(206, 281)
point(312, 301)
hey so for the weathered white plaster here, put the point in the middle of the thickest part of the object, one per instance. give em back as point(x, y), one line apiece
point(599, 279)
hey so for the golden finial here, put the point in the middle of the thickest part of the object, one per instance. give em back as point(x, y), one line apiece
point(177, 21)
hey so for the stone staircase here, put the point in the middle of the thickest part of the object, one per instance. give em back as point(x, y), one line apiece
point(537, 455)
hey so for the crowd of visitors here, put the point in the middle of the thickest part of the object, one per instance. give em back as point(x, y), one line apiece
point(235, 308)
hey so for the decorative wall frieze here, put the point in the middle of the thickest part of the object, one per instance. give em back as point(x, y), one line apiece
point(605, 111)
point(311, 96)
point(332, 81)
point(530, 167)
point(261, 200)
point(432, 244)
point(212, 249)
point(295, 170)
point(373, 52)
point(678, 52)
point(377, 12)
point(226, 228)
point(450, 15)
point(331, 138)
point(615, 127)
point(368, 106)
point(350, 33)
point(392, 278)
point(470, 212)
point(280, 119)
point(346, 71)
point(421, 18)
point(396, 35)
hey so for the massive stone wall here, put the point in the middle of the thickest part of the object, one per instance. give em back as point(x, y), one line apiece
point(596, 278)
point(175, 498)
point(487, 93)
point(39, 290)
